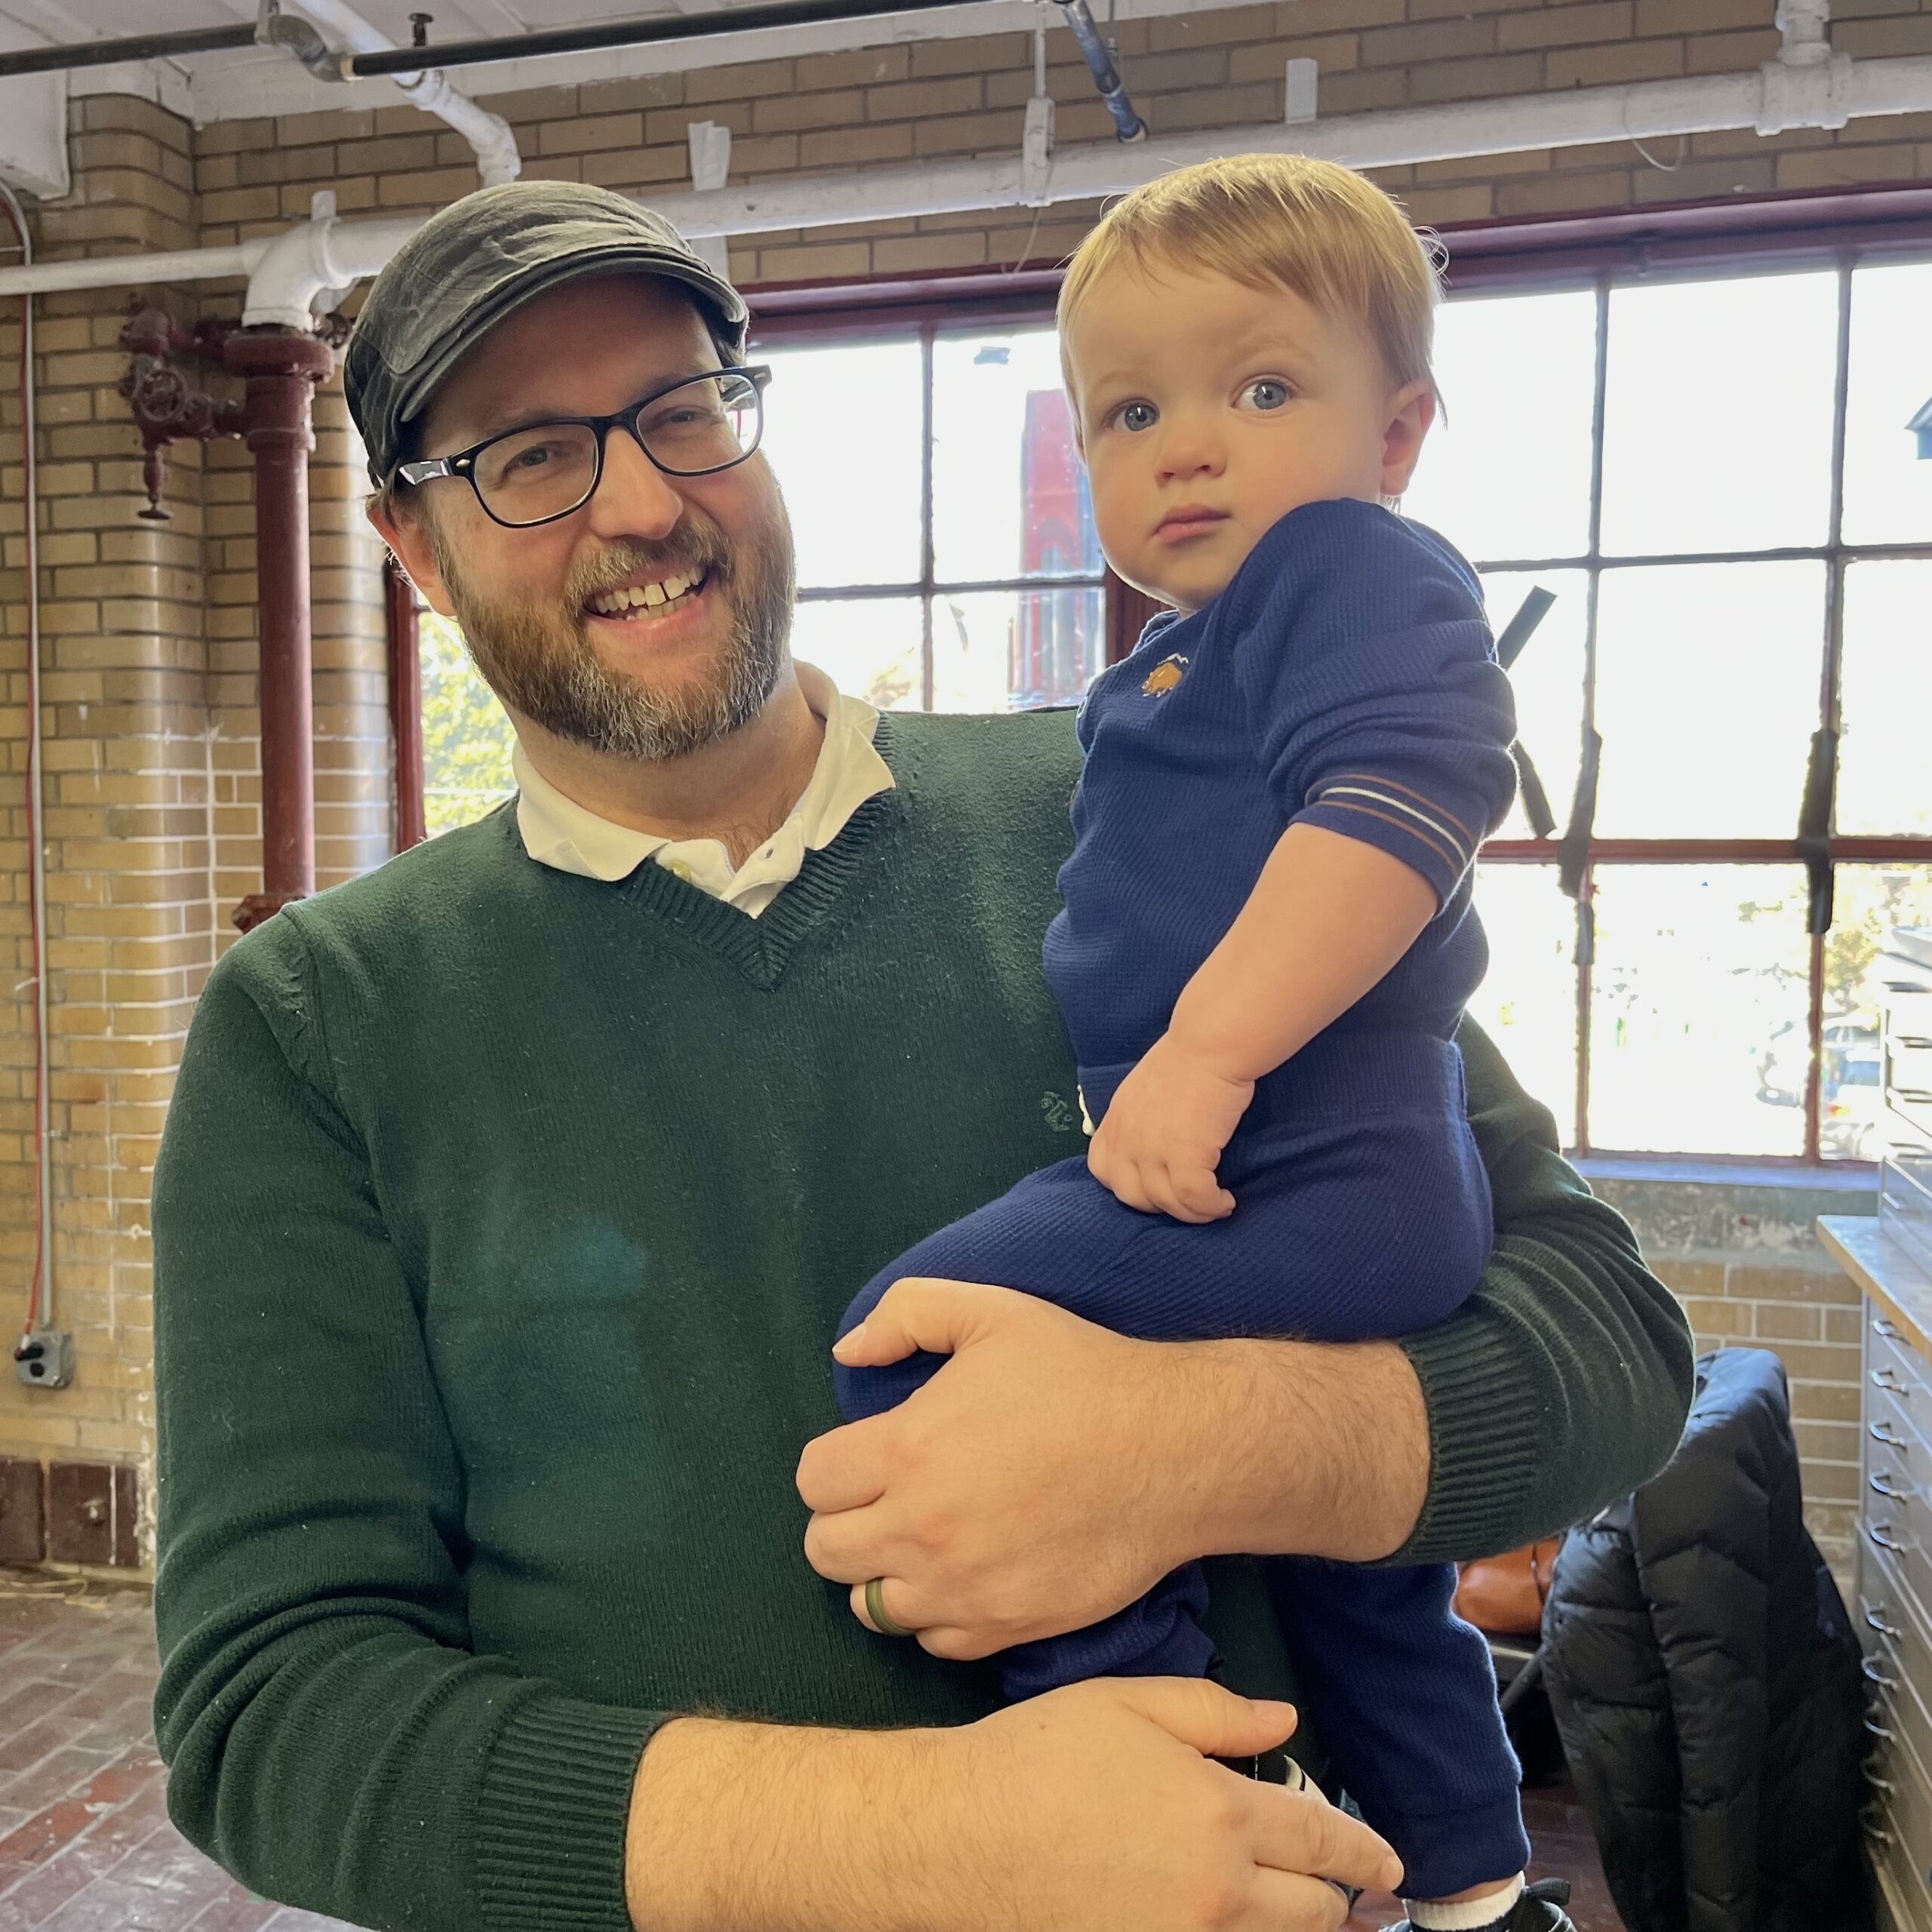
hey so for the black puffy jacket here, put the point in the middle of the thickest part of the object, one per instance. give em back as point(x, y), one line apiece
point(1705, 1679)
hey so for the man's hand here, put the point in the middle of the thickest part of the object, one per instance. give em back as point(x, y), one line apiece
point(1053, 1471)
point(1091, 1809)
point(1032, 1487)
point(1158, 1144)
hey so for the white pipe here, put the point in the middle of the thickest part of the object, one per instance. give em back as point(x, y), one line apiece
point(489, 134)
point(321, 253)
point(287, 271)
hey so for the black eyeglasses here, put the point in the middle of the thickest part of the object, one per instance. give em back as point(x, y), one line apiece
point(695, 427)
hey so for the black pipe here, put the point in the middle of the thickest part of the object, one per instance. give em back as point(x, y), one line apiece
point(631, 33)
point(475, 52)
point(138, 47)
point(1099, 64)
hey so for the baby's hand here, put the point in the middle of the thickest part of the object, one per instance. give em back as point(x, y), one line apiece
point(1161, 1141)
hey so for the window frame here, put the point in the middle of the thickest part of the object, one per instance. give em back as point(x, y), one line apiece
point(901, 318)
point(1843, 228)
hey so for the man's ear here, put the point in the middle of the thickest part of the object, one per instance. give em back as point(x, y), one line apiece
point(1411, 410)
point(408, 536)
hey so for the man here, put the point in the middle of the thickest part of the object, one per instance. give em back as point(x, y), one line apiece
point(510, 1196)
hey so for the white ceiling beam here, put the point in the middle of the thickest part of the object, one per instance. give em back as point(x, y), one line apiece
point(33, 119)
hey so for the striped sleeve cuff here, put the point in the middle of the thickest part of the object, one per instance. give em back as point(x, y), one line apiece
point(1405, 823)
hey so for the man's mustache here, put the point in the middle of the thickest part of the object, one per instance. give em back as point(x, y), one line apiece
point(616, 567)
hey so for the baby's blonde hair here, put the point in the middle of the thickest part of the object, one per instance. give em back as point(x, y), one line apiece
point(1280, 221)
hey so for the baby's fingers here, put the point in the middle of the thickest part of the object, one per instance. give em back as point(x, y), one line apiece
point(1196, 1195)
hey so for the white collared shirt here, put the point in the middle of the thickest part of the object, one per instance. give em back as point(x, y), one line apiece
point(559, 832)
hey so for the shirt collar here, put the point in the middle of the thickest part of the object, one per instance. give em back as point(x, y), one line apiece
point(559, 832)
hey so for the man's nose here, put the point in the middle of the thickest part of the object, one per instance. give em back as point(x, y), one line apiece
point(634, 498)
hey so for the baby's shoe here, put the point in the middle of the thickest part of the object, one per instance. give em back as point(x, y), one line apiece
point(1539, 1910)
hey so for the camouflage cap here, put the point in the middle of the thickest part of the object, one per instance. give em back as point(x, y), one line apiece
point(469, 267)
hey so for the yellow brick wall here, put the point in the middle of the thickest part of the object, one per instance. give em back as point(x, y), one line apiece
point(942, 99)
point(149, 645)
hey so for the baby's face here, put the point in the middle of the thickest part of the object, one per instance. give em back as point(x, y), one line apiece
point(1208, 410)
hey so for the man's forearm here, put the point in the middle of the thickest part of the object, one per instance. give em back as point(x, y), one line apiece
point(1314, 1449)
point(741, 1826)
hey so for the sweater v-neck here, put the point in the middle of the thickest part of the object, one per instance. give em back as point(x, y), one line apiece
point(762, 948)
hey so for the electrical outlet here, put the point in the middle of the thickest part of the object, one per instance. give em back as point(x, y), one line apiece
point(44, 1359)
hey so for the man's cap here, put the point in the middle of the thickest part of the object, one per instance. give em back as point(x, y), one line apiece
point(469, 266)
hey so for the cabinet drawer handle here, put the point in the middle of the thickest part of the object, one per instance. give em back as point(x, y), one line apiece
point(1886, 1330)
point(1882, 1431)
point(1881, 1485)
point(1875, 1621)
point(1887, 1379)
point(1880, 1533)
point(1873, 1675)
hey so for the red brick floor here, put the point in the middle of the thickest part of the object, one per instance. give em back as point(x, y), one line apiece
point(85, 1845)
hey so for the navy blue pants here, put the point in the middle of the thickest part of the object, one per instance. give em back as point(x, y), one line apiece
point(1362, 1210)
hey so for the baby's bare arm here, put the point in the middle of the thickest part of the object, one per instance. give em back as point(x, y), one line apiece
point(1326, 920)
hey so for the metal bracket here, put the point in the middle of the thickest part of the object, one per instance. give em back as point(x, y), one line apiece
point(1036, 152)
point(1815, 830)
point(1805, 93)
point(1299, 97)
point(709, 142)
point(273, 28)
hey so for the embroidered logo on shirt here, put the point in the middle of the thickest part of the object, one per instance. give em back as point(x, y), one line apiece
point(1059, 1115)
point(1165, 675)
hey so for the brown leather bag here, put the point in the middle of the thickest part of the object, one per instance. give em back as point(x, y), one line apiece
point(1504, 1595)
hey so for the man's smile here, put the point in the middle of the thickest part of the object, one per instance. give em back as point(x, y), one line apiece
point(654, 603)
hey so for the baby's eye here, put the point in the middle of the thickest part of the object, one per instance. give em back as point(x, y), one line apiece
point(1265, 392)
point(1135, 417)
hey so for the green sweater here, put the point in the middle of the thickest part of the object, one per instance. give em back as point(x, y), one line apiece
point(502, 1225)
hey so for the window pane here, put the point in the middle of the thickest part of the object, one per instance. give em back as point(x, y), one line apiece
point(1007, 650)
point(1548, 682)
point(868, 646)
point(1888, 485)
point(466, 736)
point(1527, 1005)
point(1885, 752)
point(1505, 472)
point(1718, 416)
point(842, 433)
point(1010, 496)
point(1697, 1010)
point(1707, 695)
point(1871, 899)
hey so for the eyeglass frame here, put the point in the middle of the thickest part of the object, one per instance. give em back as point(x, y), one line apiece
point(462, 462)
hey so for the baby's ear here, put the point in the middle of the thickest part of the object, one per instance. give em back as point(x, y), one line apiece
point(1411, 410)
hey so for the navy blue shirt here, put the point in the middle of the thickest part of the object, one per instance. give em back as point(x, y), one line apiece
point(1346, 678)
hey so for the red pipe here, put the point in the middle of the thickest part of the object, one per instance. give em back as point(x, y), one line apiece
point(282, 367)
point(405, 704)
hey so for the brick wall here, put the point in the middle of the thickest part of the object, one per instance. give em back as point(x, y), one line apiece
point(1745, 1259)
point(942, 99)
point(149, 648)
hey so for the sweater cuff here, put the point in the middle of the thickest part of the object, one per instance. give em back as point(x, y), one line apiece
point(552, 1820)
point(1487, 1434)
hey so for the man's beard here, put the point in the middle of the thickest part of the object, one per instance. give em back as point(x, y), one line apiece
point(540, 661)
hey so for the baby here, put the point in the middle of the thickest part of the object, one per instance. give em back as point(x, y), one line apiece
point(1267, 940)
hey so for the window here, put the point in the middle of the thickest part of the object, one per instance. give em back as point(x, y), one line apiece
point(1714, 476)
point(947, 556)
point(466, 736)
